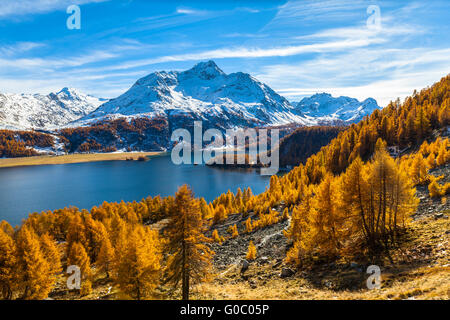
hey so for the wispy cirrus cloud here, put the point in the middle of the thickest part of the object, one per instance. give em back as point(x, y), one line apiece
point(296, 47)
point(54, 63)
point(386, 90)
point(384, 74)
point(185, 10)
point(245, 52)
point(299, 13)
point(19, 47)
point(10, 55)
point(15, 8)
point(403, 61)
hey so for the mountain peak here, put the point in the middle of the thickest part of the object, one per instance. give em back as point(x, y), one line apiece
point(70, 92)
point(206, 70)
point(321, 94)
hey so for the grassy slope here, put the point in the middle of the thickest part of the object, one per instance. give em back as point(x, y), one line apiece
point(420, 270)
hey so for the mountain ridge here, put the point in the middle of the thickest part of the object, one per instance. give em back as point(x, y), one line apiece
point(325, 107)
point(202, 93)
point(44, 112)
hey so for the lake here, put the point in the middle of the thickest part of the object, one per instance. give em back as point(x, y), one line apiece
point(24, 190)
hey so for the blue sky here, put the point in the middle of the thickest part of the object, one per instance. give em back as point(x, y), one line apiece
point(296, 47)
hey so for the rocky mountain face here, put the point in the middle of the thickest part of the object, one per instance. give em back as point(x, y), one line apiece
point(45, 112)
point(203, 93)
point(322, 107)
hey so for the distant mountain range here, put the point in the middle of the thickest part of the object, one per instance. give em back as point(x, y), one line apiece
point(323, 107)
point(203, 93)
point(52, 111)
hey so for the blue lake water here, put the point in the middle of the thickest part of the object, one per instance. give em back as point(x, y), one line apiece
point(24, 190)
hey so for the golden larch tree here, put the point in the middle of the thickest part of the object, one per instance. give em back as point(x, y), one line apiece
point(251, 253)
point(34, 277)
point(189, 257)
point(138, 269)
point(7, 265)
point(51, 253)
point(78, 256)
point(105, 259)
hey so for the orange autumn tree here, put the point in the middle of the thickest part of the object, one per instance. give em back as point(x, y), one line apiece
point(78, 256)
point(51, 254)
point(419, 170)
point(138, 269)
point(234, 232)
point(391, 196)
point(105, 259)
point(324, 231)
point(378, 198)
point(7, 265)
point(34, 279)
point(216, 237)
point(251, 253)
point(189, 259)
point(362, 209)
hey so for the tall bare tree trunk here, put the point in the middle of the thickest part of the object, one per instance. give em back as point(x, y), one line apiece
point(184, 276)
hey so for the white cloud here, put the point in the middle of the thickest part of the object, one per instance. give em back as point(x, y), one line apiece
point(190, 11)
point(52, 63)
point(244, 52)
point(383, 91)
point(397, 85)
point(15, 8)
point(295, 14)
point(19, 47)
point(384, 72)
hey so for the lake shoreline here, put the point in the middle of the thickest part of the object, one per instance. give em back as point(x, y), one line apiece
point(76, 158)
point(39, 188)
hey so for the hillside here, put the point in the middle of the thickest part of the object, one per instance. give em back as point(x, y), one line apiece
point(418, 270)
point(298, 146)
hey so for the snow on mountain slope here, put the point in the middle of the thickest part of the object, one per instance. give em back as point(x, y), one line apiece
point(36, 111)
point(325, 108)
point(205, 93)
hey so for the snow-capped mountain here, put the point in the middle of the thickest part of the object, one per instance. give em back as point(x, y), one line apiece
point(36, 111)
point(161, 102)
point(205, 93)
point(325, 108)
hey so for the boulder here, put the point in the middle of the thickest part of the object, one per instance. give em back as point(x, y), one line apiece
point(276, 265)
point(264, 260)
point(286, 272)
point(244, 265)
point(438, 215)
